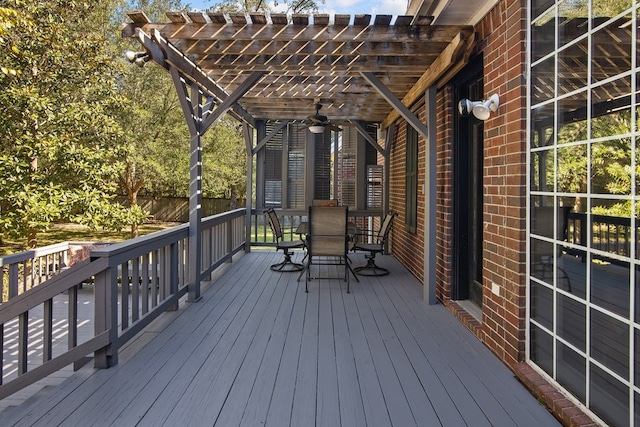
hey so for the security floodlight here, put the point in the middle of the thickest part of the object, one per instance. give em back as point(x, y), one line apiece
point(465, 107)
point(480, 109)
point(484, 109)
point(138, 58)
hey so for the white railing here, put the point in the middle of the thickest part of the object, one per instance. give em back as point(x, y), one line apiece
point(133, 283)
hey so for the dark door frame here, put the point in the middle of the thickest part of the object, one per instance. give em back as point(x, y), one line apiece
point(467, 187)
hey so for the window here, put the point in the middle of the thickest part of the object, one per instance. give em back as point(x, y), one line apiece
point(584, 140)
point(411, 180)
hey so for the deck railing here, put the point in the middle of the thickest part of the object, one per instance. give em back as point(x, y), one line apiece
point(609, 235)
point(290, 219)
point(133, 283)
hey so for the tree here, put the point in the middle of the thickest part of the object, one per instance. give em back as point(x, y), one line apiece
point(224, 160)
point(240, 6)
point(59, 142)
point(155, 135)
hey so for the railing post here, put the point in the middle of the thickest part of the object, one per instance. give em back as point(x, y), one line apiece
point(173, 274)
point(229, 237)
point(13, 280)
point(106, 316)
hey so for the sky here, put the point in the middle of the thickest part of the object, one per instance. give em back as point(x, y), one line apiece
point(345, 7)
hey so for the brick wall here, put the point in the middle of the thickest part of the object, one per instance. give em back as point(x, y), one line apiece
point(502, 33)
point(501, 36)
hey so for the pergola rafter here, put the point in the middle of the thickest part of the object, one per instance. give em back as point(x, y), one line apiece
point(305, 58)
point(275, 68)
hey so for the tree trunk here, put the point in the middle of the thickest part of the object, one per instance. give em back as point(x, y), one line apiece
point(32, 239)
point(234, 197)
point(133, 201)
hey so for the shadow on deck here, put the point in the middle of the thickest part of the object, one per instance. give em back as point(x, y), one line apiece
point(256, 349)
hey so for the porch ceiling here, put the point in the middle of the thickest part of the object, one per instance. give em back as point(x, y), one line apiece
point(307, 58)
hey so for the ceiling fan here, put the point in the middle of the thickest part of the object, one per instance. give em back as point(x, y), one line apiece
point(317, 123)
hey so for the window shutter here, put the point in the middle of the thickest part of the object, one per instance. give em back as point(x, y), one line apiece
point(273, 170)
point(411, 189)
point(296, 167)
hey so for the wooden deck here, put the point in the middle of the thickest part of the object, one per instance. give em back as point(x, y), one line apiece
point(256, 349)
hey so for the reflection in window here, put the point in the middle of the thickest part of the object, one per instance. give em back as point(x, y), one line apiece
point(572, 67)
point(587, 164)
point(542, 170)
point(543, 76)
point(572, 169)
point(542, 124)
point(572, 323)
point(611, 167)
point(539, 6)
point(541, 346)
point(541, 253)
point(611, 49)
point(610, 285)
point(611, 109)
point(572, 112)
point(572, 369)
point(609, 398)
point(636, 357)
point(610, 342)
point(573, 21)
point(542, 31)
point(542, 305)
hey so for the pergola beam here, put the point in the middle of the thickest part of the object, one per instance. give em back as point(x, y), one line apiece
point(445, 60)
point(166, 55)
point(362, 131)
point(303, 59)
point(267, 138)
point(397, 104)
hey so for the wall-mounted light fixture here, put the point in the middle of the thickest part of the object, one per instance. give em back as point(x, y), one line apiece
point(138, 58)
point(481, 109)
point(316, 129)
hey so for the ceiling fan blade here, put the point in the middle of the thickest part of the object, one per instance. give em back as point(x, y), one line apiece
point(342, 123)
point(333, 127)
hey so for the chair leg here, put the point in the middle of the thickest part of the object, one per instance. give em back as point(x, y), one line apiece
point(287, 265)
point(347, 268)
point(371, 269)
point(308, 276)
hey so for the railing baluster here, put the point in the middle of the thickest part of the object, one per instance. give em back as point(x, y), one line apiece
point(47, 331)
point(72, 327)
point(135, 289)
point(23, 342)
point(173, 273)
point(13, 280)
point(145, 283)
point(156, 279)
point(124, 314)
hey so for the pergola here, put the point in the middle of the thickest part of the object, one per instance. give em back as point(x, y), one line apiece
point(261, 68)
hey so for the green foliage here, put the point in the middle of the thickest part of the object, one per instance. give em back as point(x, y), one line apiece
point(224, 160)
point(58, 138)
point(241, 6)
point(81, 125)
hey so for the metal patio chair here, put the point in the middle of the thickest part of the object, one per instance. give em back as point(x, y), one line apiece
point(375, 243)
point(287, 265)
point(328, 240)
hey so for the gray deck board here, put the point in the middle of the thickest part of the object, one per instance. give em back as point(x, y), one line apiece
point(259, 350)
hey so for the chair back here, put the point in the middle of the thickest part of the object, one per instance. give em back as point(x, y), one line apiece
point(327, 231)
point(323, 202)
point(274, 223)
point(385, 228)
